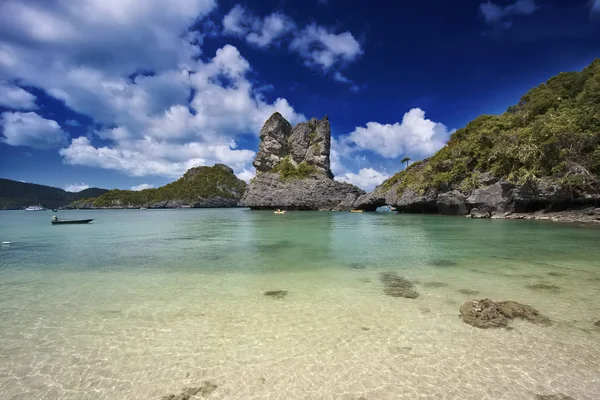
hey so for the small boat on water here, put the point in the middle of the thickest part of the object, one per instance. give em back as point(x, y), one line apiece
point(56, 221)
point(35, 208)
point(357, 211)
point(278, 211)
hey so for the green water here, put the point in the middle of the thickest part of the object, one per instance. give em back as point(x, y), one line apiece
point(144, 303)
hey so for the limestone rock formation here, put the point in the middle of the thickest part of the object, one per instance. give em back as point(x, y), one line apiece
point(293, 169)
point(541, 156)
point(492, 198)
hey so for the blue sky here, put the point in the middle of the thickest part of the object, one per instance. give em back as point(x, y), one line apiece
point(131, 93)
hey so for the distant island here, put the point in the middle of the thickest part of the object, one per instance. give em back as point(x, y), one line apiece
point(199, 187)
point(15, 195)
point(215, 186)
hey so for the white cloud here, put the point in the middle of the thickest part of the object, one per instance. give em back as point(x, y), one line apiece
point(183, 111)
point(29, 129)
point(493, 13)
point(318, 46)
point(148, 157)
point(414, 136)
point(12, 96)
point(76, 187)
point(177, 139)
point(116, 36)
point(142, 186)
point(323, 48)
point(72, 122)
point(366, 178)
point(338, 76)
point(239, 21)
point(247, 174)
point(272, 27)
point(595, 6)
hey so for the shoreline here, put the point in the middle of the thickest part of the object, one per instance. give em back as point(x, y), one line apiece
point(588, 215)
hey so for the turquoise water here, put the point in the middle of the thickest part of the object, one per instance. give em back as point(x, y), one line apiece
point(143, 303)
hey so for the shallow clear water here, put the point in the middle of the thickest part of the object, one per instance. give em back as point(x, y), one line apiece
point(144, 303)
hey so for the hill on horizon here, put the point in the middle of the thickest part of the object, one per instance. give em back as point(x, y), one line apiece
point(15, 195)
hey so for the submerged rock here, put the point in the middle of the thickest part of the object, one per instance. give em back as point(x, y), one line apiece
point(443, 263)
point(558, 396)
point(206, 389)
point(356, 265)
point(597, 323)
point(543, 286)
point(397, 286)
point(469, 292)
point(276, 294)
point(489, 314)
point(434, 284)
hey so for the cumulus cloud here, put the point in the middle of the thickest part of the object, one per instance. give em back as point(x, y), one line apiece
point(259, 32)
point(76, 187)
point(148, 157)
point(415, 135)
point(72, 122)
point(12, 96)
point(320, 47)
point(159, 106)
point(30, 129)
point(247, 174)
point(366, 178)
point(142, 186)
point(177, 139)
point(493, 13)
point(112, 35)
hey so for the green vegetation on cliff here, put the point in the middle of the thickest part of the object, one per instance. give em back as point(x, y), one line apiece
point(288, 171)
point(16, 195)
point(195, 185)
point(553, 135)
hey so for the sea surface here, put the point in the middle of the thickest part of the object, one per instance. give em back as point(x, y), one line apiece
point(141, 304)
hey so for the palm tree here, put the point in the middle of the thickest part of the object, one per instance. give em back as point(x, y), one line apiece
point(406, 160)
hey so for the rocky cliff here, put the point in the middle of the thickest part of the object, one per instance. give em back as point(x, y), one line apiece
point(542, 154)
point(293, 169)
point(200, 187)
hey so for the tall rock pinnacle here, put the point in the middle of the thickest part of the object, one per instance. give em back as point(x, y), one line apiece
point(293, 169)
